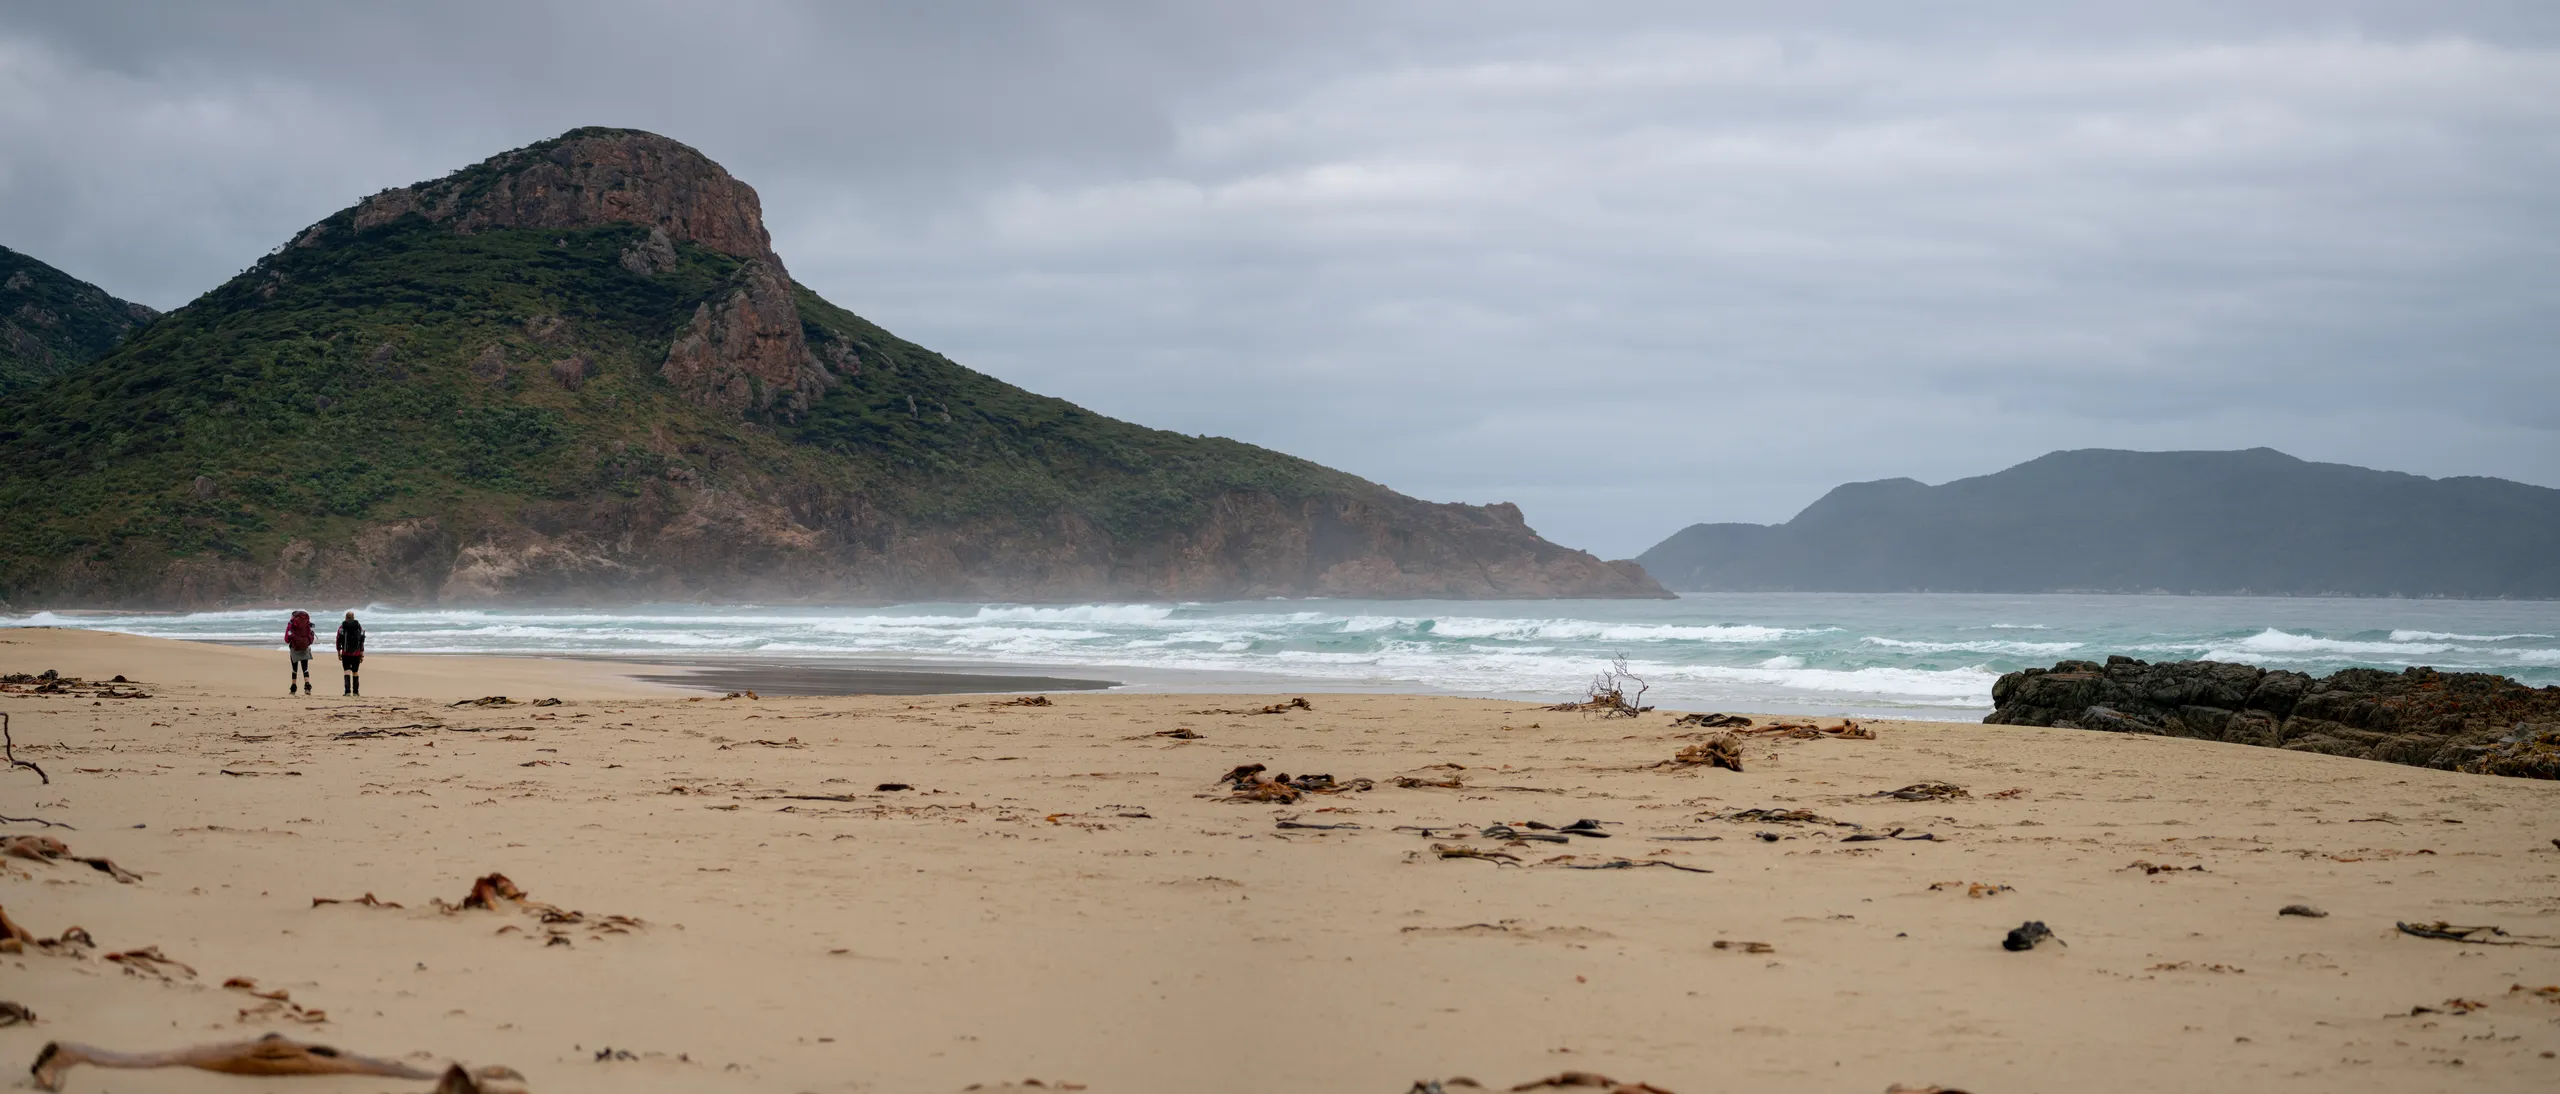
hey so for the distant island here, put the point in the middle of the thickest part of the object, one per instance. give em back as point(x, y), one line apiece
point(2254, 522)
point(579, 372)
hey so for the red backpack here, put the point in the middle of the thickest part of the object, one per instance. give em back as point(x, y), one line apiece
point(297, 633)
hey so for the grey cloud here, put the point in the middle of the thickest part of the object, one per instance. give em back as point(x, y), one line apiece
point(1631, 266)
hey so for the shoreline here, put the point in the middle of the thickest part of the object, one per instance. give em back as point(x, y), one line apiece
point(822, 675)
point(1813, 654)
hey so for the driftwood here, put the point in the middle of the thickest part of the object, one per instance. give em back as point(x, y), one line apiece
point(2483, 935)
point(1847, 730)
point(271, 1055)
point(1633, 864)
point(1299, 703)
point(9, 748)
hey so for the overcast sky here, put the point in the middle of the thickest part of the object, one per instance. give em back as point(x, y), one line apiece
point(1630, 265)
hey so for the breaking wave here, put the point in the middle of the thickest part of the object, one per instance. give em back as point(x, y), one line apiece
point(1813, 653)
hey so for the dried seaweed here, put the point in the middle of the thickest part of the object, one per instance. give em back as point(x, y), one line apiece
point(50, 850)
point(1722, 750)
point(2481, 935)
point(271, 1055)
point(1924, 792)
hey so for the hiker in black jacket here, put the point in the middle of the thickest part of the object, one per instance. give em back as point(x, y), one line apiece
point(351, 653)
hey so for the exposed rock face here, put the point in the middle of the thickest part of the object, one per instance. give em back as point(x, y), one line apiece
point(590, 177)
point(748, 353)
point(2458, 721)
point(742, 353)
point(651, 255)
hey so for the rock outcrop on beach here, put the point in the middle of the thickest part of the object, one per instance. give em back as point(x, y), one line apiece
point(2095, 520)
point(579, 371)
point(2455, 721)
point(52, 322)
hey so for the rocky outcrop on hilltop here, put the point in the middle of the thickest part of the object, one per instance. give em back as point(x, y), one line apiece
point(744, 352)
point(578, 372)
point(589, 177)
point(2455, 721)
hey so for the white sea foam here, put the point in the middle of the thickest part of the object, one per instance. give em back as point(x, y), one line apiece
point(2273, 641)
point(1591, 630)
point(2024, 649)
point(1770, 653)
point(2447, 636)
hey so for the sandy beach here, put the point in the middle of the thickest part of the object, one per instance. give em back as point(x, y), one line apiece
point(1065, 893)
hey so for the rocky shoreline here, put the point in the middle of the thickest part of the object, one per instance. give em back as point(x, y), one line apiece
point(2453, 721)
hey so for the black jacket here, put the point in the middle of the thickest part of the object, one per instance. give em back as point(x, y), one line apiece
point(350, 637)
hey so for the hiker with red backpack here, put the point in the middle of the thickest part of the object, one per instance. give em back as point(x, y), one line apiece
point(297, 643)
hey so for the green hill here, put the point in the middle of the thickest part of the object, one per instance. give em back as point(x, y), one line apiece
point(579, 371)
point(2096, 520)
point(52, 322)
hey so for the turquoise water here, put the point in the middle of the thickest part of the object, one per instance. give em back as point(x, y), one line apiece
point(1920, 655)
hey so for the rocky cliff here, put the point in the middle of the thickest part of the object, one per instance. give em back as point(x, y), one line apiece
point(579, 371)
point(52, 322)
point(2457, 721)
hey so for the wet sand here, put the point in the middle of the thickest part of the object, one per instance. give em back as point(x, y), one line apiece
point(1066, 895)
point(807, 678)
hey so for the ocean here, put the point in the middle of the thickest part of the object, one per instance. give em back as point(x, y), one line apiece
point(1903, 655)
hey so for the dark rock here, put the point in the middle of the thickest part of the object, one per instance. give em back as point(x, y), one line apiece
point(2026, 935)
point(2453, 721)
